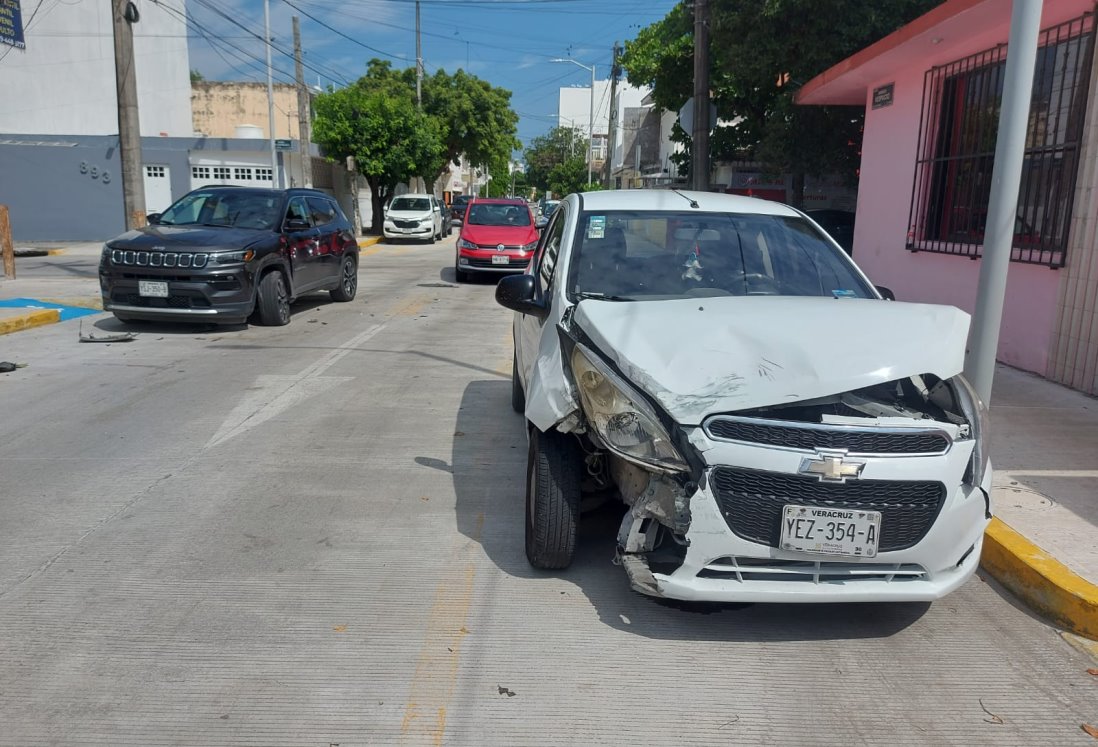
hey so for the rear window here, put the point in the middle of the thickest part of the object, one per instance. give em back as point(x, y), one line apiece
point(657, 255)
point(410, 203)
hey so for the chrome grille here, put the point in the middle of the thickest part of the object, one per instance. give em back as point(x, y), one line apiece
point(746, 570)
point(811, 436)
point(406, 223)
point(158, 259)
point(752, 501)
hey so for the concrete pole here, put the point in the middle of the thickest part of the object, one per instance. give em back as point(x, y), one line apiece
point(1006, 176)
point(7, 248)
point(591, 127)
point(270, 93)
point(612, 133)
point(129, 123)
point(700, 137)
point(303, 106)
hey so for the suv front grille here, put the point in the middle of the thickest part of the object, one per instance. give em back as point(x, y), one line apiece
point(172, 302)
point(406, 223)
point(810, 436)
point(158, 259)
point(752, 501)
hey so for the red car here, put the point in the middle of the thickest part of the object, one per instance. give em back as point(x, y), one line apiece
point(496, 236)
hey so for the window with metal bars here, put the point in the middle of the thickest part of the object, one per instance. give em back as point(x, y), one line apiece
point(957, 133)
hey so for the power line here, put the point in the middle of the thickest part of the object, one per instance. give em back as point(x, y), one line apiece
point(340, 33)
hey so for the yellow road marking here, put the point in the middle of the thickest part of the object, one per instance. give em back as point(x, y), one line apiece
point(411, 307)
point(433, 684)
point(29, 319)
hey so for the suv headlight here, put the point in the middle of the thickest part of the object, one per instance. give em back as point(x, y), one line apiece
point(976, 414)
point(229, 258)
point(622, 419)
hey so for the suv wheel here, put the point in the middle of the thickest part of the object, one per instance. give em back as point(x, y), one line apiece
point(273, 303)
point(553, 472)
point(348, 281)
point(518, 397)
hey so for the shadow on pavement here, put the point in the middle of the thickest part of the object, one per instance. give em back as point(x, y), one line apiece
point(109, 323)
point(489, 468)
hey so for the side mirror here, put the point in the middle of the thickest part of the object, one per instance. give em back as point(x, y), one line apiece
point(153, 219)
point(541, 222)
point(297, 224)
point(519, 293)
point(886, 293)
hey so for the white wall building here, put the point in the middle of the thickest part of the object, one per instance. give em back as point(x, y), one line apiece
point(574, 107)
point(63, 82)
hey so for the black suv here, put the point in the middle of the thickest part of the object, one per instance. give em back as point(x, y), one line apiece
point(458, 206)
point(227, 254)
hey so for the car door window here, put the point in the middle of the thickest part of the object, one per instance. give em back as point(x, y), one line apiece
point(298, 210)
point(321, 211)
point(550, 249)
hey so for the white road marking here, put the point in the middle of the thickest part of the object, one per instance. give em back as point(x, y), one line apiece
point(272, 395)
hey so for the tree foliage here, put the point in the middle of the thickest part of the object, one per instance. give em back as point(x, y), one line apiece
point(761, 52)
point(377, 120)
point(556, 162)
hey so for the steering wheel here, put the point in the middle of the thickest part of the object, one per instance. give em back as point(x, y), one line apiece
point(772, 287)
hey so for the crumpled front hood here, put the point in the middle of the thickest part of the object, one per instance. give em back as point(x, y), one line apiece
point(702, 356)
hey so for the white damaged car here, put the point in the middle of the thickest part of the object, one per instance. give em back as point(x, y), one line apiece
point(779, 431)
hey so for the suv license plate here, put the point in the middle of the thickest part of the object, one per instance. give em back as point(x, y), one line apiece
point(831, 531)
point(501, 259)
point(152, 289)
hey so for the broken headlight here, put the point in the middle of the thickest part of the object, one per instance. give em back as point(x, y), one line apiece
point(622, 419)
point(976, 415)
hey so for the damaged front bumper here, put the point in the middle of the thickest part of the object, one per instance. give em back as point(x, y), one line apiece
point(703, 542)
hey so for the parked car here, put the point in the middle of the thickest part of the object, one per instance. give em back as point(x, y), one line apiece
point(227, 254)
point(839, 225)
point(413, 216)
point(458, 205)
point(498, 236)
point(447, 221)
point(780, 432)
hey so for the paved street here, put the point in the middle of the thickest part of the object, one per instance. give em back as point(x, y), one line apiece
point(312, 535)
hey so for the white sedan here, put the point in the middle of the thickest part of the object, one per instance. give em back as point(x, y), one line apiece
point(779, 432)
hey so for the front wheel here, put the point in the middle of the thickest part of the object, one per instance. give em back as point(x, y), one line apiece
point(273, 303)
point(553, 471)
point(348, 282)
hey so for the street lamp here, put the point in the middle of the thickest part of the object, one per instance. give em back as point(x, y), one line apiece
point(590, 113)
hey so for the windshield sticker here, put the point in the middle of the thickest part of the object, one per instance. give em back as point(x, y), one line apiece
point(844, 294)
point(596, 227)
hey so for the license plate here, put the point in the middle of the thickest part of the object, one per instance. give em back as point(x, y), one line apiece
point(501, 259)
point(152, 289)
point(831, 531)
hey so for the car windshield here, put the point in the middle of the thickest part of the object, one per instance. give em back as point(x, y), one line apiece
point(410, 203)
point(549, 208)
point(498, 215)
point(462, 200)
point(662, 255)
point(238, 209)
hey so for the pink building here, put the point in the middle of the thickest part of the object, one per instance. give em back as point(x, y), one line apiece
point(931, 91)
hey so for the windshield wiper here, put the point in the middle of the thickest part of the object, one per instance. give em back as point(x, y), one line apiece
point(602, 296)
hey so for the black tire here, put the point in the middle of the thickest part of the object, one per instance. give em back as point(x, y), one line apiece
point(348, 281)
point(518, 397)
point(553, 471)
point(273, 303)
point(460, 275)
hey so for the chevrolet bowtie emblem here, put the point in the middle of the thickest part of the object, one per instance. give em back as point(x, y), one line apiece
point(831, 467)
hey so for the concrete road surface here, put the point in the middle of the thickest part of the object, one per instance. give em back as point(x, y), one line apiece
point(312, 535)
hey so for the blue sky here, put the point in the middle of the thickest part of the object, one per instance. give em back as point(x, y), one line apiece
point(509, 43)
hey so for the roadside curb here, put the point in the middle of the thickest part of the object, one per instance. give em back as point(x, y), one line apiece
point(35, 318)
point(1042, 582)
point(38, 252)
point(369, 241)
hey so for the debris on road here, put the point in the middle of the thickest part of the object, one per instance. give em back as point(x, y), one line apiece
point(8, 366)
point(120, 337)
point(505, 691)
point(994, 718)
point(1091, 730)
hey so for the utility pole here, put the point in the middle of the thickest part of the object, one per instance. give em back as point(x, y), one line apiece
point(699, 171)
point(270, 92)
point(611, 138)
point(129, 124)
point(1002, 211)
point(303, 107)
point(419, 63)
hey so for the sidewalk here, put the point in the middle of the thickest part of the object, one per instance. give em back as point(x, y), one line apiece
point(1042, 546)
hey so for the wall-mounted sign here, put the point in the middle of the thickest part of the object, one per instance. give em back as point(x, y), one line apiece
point(280, 144)
point(11, 24)
point(882, 96)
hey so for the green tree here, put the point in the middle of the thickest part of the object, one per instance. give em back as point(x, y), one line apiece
point(376, 120)
point(197, 77)
point(761, 51)
point(549, 153)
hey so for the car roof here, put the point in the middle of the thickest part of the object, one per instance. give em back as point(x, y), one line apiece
point(303, 191)
point(500, 201)
point(680, 201)
point(413, 194)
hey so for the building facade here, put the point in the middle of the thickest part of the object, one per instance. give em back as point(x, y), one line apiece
point(932, 92)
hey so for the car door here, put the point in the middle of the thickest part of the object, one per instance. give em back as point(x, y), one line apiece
point(302, 242)
point(323, 214)
point(528, 328)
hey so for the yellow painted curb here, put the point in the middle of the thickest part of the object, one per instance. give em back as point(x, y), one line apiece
point(1040, 580)
point(369, 241)
point(34, 318)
